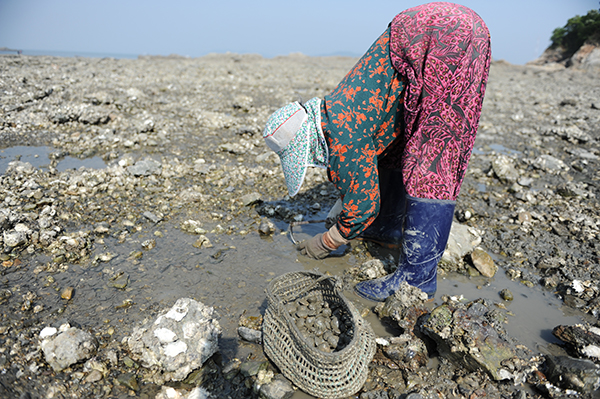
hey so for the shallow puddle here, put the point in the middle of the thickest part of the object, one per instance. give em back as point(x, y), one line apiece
point(39, 157)
point(497, 148)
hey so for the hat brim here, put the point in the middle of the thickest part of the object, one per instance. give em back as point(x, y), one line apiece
point(294, 159)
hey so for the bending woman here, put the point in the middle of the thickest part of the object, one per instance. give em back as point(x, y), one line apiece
point(395, 136)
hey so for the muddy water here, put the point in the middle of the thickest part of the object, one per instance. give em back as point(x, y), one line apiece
point(40, 157)
point(230, 276)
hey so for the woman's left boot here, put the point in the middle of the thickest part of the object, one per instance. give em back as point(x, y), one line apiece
point(386, 229)
point(427, 226)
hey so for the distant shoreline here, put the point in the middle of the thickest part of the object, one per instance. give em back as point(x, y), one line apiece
point(70, 54)
point(86, 54)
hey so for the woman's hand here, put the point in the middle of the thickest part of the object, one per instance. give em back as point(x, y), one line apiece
point(321, 245)
point(315, 247)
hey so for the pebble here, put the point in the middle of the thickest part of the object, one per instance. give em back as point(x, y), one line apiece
point(506, 294)
point(250, 335)
point(145, 167)
point(524, 217)
point(129, 380)
point(152, 217)
point(120, 281)
point(149, 244)
point(251, 198)
point(266, 228)
point(94, 376)
point(484, 263)
point(202, 242)
point(67, 293)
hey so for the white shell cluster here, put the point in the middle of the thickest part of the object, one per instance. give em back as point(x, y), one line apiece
point(179, 341)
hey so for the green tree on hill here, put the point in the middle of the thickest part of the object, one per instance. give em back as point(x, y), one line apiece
point(576, 32)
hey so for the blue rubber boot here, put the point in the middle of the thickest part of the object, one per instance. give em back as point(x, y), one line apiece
point(386, 229)
point(427, 226)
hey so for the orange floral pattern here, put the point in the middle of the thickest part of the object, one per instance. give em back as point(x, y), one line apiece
point(360, 119)
point(413, 101)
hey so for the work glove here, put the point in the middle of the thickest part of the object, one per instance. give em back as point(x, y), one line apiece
point(321, 245)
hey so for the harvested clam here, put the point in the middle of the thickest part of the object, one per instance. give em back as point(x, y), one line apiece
point(325, 326)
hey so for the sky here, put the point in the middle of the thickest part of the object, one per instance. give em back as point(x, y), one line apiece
point(520, 29)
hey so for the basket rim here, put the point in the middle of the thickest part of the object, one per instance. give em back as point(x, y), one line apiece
point(355, 316)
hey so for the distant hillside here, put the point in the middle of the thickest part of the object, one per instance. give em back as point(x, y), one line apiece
point(575, 44)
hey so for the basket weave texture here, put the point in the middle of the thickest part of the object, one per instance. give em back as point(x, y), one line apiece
point(325, 375)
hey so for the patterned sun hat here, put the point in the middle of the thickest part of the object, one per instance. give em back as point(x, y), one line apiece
point(294, 132)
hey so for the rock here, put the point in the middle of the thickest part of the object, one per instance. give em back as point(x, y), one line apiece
point(506, 294)
point(172, 393)
point(15, 238)
point(102, 228)
point(192, 227)
point(243, 103)
point(266, 228)
point(250, 335)
point(19, 167)
point(504, 169)
point(94, 376)
point(179, 341)
point(250, 198)
point(191, 195)
point(48, 332)
point(98, 98)
point(371, 269)
point(483, 262)
point(119, 281)
point(233, 148)
point(149, 244)
point(279, 388)
point(406, 300)
point(252, 368)
point(129, 380)
point(569, 373)
point(461, 242)
point(68, 347)
point(152, 217)
point(405, 313)
point(549, 164)
point(582, 153)
point(468, 336)
point(407, 351)
point(215, 120)
point(582, 340)
point(67, 293)
point(202, 242)
point(93, 116)
point(146, 167)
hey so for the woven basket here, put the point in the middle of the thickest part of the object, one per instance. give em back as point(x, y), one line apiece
point(325, 375)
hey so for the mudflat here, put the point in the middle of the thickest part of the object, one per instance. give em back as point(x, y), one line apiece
point(128, 184)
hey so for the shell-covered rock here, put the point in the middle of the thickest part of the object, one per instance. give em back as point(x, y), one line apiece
point(179, 341)
point(66, 346)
